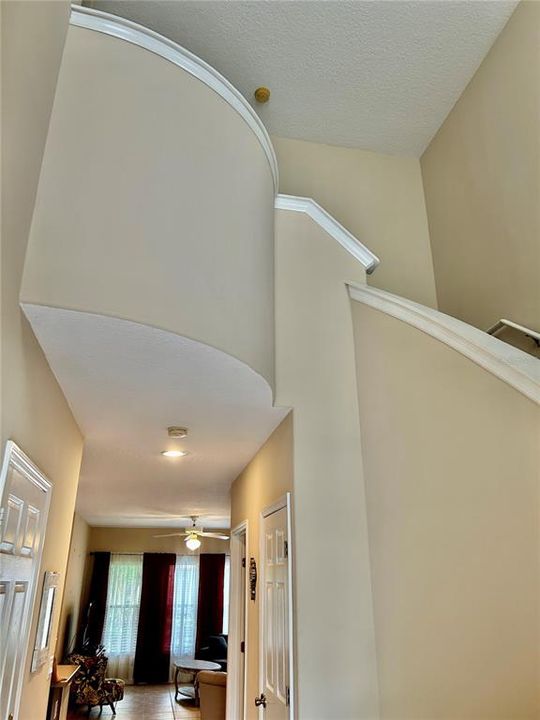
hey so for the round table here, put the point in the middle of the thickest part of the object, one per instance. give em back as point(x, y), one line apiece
point(191, 667)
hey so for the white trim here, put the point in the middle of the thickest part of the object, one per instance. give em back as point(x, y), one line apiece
point(509, 364)
point(292, 610)
point(328, 223)
point(118, 27)
point(285, 501)
point(237, 593)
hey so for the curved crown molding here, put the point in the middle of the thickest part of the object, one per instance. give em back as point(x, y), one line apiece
point(135, 34)
point(328, 223)
point(509, 364)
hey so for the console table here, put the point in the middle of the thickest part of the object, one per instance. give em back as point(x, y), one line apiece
point(59, 694)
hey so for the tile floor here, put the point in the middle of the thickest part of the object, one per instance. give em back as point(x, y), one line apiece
point(144, 702)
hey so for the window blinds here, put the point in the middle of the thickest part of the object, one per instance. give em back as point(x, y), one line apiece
point(122, 615)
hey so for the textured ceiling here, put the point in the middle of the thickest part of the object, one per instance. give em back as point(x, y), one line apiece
point(377, 75)
point(126, 383)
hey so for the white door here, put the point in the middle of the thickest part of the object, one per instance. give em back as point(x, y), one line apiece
point(24, 504)
point(275, 698)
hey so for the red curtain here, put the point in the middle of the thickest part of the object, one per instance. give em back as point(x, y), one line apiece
point(210, 609)
point(153, 651)
point(97, 602)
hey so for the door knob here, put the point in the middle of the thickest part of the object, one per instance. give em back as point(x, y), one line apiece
point(261, 700)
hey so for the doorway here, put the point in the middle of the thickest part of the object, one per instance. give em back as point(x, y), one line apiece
point(238, 646)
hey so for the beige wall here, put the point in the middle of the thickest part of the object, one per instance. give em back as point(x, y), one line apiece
point(316, 376)
point(73, 587)
point(451, 461)
point(267, 477)
point(379, 198)
point(150, 169)
point(136, 540)
point(34, 412)
point(482, 184)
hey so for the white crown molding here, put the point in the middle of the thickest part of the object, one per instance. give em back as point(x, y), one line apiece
point(328, 223)
point(135, 34)
point(509, 364)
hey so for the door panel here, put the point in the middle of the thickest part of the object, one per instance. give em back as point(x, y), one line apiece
point(24, 503)
point(275, 616)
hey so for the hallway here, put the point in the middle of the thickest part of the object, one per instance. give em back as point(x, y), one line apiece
point(144, 702)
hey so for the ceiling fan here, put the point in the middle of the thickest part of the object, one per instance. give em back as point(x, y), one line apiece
point(193, 534)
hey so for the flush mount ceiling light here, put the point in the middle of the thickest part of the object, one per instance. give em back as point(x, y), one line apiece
point(174, 453)
point(192, 541)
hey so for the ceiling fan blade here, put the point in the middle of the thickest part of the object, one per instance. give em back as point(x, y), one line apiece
point(214, 535)
point(170, 535)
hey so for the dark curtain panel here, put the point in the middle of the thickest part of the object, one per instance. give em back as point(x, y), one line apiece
point(210, 609)
point(153, 651)
point(97, 602)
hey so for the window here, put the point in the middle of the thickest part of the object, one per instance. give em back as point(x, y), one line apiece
point(186, 597)
point(226, 582)
point(122, 613)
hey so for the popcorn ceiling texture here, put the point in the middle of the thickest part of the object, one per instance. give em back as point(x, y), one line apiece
point(376, 75)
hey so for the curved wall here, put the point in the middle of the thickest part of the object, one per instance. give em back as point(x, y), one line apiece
point(155, 203)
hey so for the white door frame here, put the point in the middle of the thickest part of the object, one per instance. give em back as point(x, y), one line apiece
point(285, 501)
point(238, 601)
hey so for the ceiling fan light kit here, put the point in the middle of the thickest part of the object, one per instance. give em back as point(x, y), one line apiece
point(192, 542)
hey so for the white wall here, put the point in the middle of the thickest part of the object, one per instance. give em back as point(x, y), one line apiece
point(379, 198)
point(481, 177)
point(451, 468)
point(315, 375)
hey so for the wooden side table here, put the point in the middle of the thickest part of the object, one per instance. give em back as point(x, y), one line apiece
point(59, 693)
point(191, 667)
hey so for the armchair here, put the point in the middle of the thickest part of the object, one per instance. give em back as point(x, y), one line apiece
point(212, 694)
point(215, 649)
point(90, 686)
